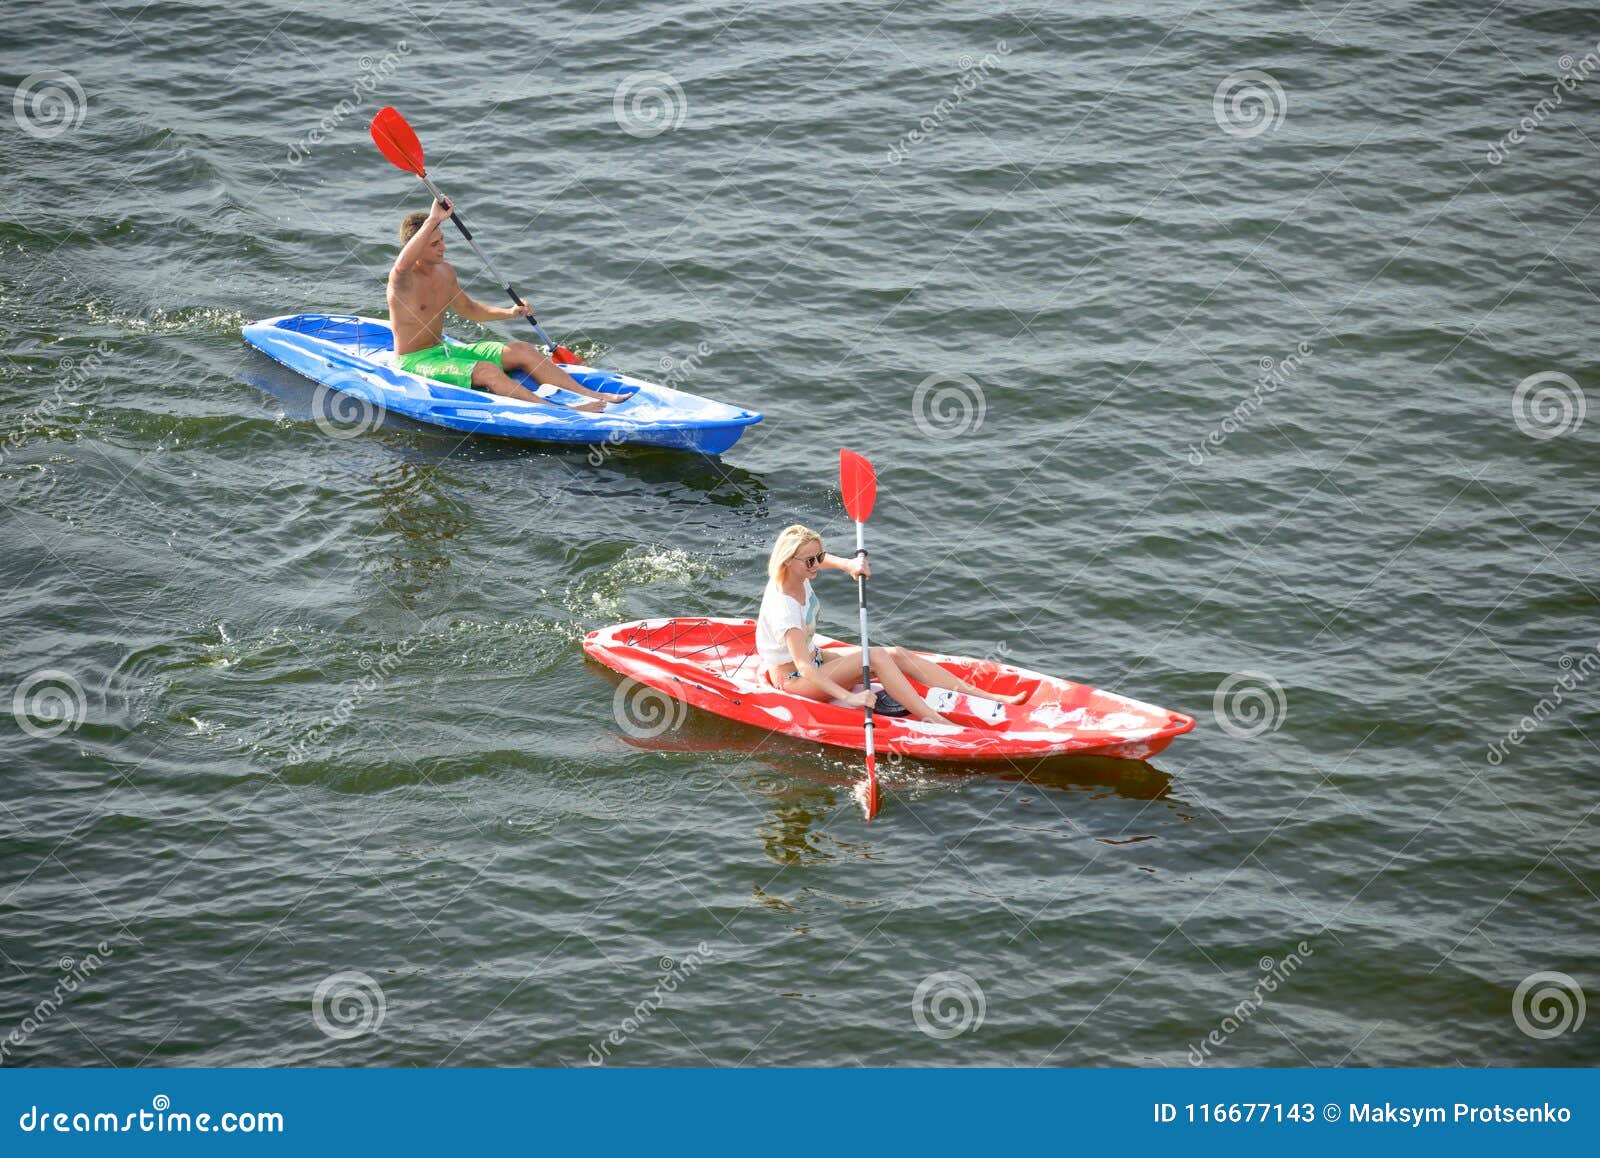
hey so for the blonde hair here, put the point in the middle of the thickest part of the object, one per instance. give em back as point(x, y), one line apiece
point(790, 540)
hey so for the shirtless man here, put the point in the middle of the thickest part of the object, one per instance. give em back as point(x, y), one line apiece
point(422, 285)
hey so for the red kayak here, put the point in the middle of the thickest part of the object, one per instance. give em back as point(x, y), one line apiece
point(712, 664)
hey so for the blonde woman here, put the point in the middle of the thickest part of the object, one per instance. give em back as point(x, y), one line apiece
point(793, 663)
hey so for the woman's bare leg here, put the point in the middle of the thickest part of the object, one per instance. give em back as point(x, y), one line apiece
point(845, 669)
point(935, 676)
point(894, 682)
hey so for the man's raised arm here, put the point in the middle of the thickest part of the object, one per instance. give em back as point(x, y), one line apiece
point(413, 249)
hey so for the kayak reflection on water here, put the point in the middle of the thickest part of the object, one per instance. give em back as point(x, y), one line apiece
point(792, 663)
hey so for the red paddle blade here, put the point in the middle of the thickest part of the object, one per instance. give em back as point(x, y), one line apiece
point(859, 484)
point(396, 141)
point(871, 803)
point(565, 357)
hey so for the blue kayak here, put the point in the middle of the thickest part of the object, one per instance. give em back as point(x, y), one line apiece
point(356, 355)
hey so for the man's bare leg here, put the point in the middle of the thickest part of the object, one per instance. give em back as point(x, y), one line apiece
point(488, 376)
point(522, 356)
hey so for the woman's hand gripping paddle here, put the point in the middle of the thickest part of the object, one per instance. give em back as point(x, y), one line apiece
point(859, 485)
point(398, 142)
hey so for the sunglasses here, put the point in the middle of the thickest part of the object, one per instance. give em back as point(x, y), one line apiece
point(812, 560)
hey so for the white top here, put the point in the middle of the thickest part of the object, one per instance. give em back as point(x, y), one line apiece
point(779, 613)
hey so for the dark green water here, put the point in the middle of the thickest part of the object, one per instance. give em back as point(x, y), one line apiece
point(1387, 551)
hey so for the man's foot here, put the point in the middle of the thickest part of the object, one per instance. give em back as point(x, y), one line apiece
point(613, 397)
point(933, 717)
point(590, 407)
point(1013, 700)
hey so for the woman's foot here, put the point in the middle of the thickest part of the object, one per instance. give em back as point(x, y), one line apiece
point(933, 717)
point(1013, 700)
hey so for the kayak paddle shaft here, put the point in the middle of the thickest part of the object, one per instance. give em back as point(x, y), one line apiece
point(484, 257)
point(866, 678)
point(858, 486)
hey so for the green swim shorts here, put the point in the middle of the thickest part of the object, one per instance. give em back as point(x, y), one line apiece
point(451, 363)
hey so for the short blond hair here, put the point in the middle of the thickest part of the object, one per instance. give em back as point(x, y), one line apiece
point(790, 540)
